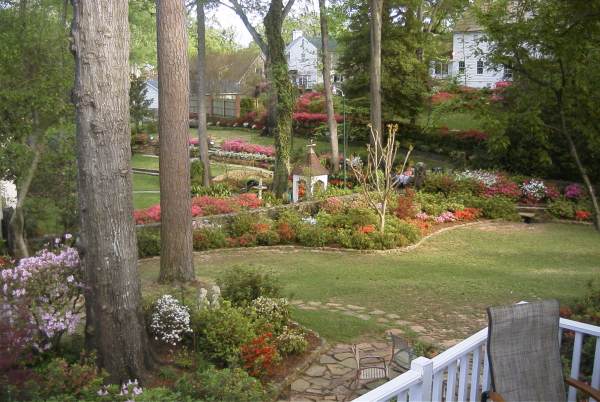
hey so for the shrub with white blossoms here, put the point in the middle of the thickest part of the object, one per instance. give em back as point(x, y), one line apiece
point(273, 311)
point(8, 194)
point(170, 320)
point(535, 189)
point(487, 178)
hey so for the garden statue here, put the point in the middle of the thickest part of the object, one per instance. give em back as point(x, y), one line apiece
point(260, 187)
point(420, 174)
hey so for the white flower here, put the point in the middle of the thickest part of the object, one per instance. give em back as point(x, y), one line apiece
point(68, 236)
point(170, 320)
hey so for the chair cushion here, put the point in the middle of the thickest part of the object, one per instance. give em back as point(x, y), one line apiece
point(524, 352)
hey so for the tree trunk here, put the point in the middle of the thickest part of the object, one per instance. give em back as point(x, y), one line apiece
point(326, 58)
point(582, 170)
point(201, 77)
point(176, 263)
point(281, 99)
point(108, 240)
point(376, 12)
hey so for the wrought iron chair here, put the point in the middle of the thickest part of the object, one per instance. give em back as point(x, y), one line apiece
point(524, 354)
point(369, 368)
point(402, 353)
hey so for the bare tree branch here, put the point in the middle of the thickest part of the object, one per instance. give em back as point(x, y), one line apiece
point(287, 8)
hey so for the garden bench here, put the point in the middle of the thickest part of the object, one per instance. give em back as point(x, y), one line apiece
point(527, 216)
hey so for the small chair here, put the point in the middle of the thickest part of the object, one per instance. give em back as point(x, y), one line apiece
point(369, 368)
point(524, 354)
point(402, 353)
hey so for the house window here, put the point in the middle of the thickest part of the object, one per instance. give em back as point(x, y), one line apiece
point(479, 67)
point(441, 68)
point(302, 81)
point(508, 73)
point(461, 67)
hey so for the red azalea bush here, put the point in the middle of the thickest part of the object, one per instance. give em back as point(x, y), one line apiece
point(260, 356)
point(366, 229)
point(582, 215)
point(472, 135)
point(467, 214)
point(504, 187)
point(406, 205)
point(286, 232)
point(203, 206)
point(239, 145)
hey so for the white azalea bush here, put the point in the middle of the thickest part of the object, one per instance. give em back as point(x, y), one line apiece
point(170, 320)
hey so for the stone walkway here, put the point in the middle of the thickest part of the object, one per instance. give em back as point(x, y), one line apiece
point(331, 378)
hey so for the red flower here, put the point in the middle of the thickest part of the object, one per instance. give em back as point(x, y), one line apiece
point(260, 355)
point(582, 215)
point(366, 229)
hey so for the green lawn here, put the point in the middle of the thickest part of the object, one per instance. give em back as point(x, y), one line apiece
point(444, 284)
point(144, 162)
point(145, 200)
point(453, 120)
point(145, 182)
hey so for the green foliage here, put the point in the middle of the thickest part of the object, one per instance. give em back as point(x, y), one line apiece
point(268, 238)
point(270, 314)
point(221, 332)
point(242, 223)
point(209, 238)
point(225, 385)
point(497, 208)
point(291, 341)
point(562, 208)
point(214, 190)
point(241, 285)
point(196, 172)
point(313, 235)
point(148, 242)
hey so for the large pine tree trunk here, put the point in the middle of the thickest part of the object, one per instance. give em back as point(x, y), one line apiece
point(173, 124)
point(326, 58)
point(376, 11)
point(201, 77)
point(108, 241)
point(281, 98)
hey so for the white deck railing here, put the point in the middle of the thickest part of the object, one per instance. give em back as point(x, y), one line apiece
point(461, 373)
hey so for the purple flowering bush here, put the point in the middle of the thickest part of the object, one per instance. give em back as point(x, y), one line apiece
point(40, 300)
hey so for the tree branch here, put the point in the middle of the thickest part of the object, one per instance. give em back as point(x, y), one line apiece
point(258, 39)
point(287, 8)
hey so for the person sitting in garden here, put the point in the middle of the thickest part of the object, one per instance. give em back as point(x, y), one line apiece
point(402, 179)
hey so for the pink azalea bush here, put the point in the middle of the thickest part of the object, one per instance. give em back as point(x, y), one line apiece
point(203, 206)
point(445, 217)
point(574, 191)
point(40, 300)
point(239, 145)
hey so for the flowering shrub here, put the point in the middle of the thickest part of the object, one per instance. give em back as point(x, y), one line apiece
point(467, 214)
point(332, 205)
point(239, 145)
point(442, 97)
point(445, 217)
point(40, 298)
point(406, 205)
point(582, 215)
point(170, 320)
point(8, 194)
point(274, 312)
point(260, 355)
point(291, 341)
point(573, 191)
point(534, 190)
point(366, 229)
point(422, 216)
point(203, 206)
point(246, 156)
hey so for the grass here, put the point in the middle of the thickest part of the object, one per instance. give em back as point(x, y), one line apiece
point(453, 120)
point(446, 283)
point(145, 200)
point(144, 162)
point(145, 182)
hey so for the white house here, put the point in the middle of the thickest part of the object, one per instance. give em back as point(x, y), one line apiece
point(468, 63)
point(303, 57)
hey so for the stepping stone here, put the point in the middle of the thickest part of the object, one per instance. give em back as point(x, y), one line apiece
point(363, 317)
point(396, 331)
point(351, 307)
point(350, 363)
point(333, 304)
point(417, 328)
point(314, 391)
point(338, 370)
point(404, 323)
point(296, 302)
point(342, 356)
point(325, 359)
point(315, 371)
point(314, 303)
point(383, 320)
point(377, 312)
point(392, 316)
point(319, 382)
point(300, 385)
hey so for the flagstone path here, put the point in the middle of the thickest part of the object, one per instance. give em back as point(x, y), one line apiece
point(331, 377)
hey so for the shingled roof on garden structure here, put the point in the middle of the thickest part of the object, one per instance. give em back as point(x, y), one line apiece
point(311, 167)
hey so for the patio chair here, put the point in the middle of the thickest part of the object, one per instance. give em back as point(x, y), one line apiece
point(524, 354)
point(368, 368)
point(402, 353)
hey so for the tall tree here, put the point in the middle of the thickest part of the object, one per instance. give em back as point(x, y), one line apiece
point(281, 102)
point(376, 9)
point(552, 47)
point(326, 60)
point(174, 163)
point(108, 240)
point(201, 78)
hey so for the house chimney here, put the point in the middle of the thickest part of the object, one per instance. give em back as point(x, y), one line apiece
point(296, 34)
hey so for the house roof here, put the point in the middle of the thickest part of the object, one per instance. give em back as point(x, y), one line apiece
point(311, 167)
point(468, 23)
point(315, 41)
point(226, 71)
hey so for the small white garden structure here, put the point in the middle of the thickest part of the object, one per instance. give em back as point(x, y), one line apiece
point(311, 172)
